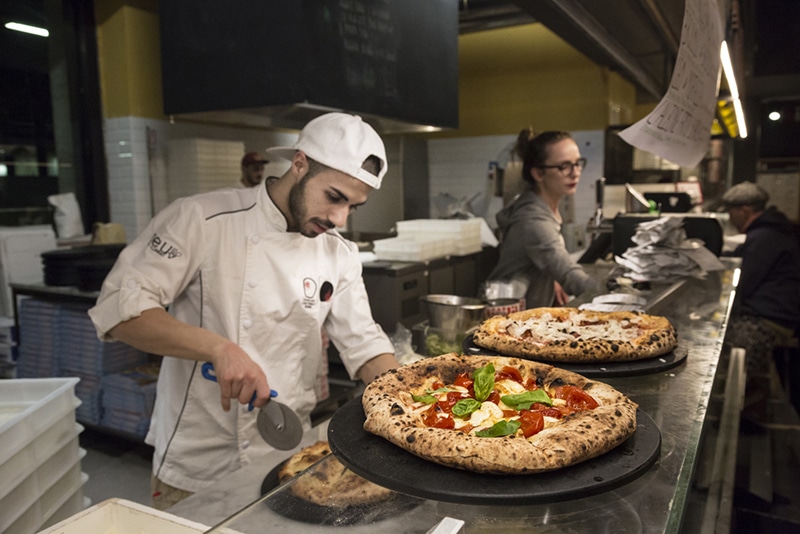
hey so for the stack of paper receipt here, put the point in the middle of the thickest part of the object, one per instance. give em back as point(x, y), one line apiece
point(616, 302)
point(663, 253)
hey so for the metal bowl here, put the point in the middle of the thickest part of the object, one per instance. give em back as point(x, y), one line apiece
point(453, 313)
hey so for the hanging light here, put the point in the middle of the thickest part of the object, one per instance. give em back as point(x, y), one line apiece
point(26, 28)
point(727, 67)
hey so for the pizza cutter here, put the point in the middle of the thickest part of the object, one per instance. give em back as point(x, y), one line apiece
point(278, 425)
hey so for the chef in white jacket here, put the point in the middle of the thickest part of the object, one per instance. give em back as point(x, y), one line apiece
point(250, 276)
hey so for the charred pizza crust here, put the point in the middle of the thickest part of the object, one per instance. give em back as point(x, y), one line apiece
point(655, 336)
point(574, 439)
point(330, 483)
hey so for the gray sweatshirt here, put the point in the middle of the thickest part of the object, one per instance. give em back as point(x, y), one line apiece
point(533, 249)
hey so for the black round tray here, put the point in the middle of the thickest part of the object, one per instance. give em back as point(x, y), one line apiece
point(292, 507)
point(599, 369)
point(384, 463)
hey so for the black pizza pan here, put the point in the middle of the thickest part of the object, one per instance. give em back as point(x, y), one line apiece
point(597, 369)
point(288, 505)
point(390, 466)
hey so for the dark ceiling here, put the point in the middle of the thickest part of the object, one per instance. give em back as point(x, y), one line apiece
point(640, 38)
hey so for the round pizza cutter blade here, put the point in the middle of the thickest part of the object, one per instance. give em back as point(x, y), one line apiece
point(279, 426)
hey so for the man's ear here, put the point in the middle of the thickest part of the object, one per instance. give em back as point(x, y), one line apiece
point(299, 165)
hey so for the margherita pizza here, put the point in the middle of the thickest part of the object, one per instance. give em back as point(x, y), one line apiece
point(570, 335)
point(494, 414)
point(330, 483)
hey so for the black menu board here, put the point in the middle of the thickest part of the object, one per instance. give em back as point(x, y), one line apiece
point(394, 58)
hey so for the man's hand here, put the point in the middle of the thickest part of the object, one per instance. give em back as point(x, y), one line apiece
point(239, 377)
point(157, 332)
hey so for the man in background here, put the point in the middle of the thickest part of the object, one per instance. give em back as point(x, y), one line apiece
point(253, 169)
point(767, 307)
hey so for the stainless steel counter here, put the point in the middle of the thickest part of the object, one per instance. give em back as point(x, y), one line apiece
point(677, 400)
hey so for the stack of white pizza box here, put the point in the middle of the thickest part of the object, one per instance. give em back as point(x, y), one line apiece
point(429, 239)
point(463, 235)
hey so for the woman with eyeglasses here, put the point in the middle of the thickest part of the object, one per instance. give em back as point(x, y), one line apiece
point(532, 248)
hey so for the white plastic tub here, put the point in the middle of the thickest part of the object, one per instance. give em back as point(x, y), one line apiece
point(22, 520)
point(39, 452)
point(120, 516)
point(29, 460)
point(29, 406)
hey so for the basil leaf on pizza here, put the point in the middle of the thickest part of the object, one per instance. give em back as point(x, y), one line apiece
point(465, 407)
point(570, 335)
point(484, 382)
point(494, 414)
point(500, 428)
point(524, 401)
point(427, 399)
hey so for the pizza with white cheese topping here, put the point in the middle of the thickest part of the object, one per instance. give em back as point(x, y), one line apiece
point(570, 335)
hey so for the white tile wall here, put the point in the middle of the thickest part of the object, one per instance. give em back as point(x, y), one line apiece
point(137, 154)
point(459, 167)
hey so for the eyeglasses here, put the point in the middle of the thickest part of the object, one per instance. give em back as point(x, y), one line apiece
point(567, 167)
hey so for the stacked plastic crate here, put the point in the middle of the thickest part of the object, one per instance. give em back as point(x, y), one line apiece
point(40, 456)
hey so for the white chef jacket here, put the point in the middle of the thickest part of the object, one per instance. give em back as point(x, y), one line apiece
point(225, 262)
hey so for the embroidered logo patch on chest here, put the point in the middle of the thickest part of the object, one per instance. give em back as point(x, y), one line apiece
point(310, 294)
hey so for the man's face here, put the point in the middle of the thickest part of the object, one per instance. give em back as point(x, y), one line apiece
point(739, 216)
point(253, 173)
point(324, 201)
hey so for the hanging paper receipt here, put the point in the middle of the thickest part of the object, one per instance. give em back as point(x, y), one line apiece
point(679, 128)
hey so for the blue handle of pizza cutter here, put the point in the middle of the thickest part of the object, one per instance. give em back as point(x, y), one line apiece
point(208, 373)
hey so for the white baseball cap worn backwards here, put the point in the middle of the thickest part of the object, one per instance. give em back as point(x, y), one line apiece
point(340, 141)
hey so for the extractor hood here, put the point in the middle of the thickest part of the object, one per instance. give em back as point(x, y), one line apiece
point(294, 117)
point(394, 62)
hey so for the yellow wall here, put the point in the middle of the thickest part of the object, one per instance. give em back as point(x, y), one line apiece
point(570, 99)
point(129, 58)
point(526, 75)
